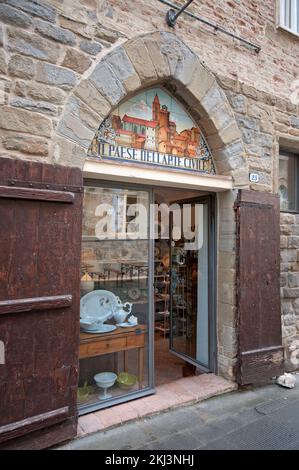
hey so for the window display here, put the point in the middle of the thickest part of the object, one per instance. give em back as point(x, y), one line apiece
point(114, 306)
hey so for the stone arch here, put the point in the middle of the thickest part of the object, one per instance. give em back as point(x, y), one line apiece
point(159, 58)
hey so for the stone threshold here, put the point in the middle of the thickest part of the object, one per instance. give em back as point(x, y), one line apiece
point(182, 392)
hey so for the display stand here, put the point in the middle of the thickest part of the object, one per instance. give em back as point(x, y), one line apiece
point(161, 299)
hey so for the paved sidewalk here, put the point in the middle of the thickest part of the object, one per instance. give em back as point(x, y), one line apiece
point(261, 418)
point(188, 390)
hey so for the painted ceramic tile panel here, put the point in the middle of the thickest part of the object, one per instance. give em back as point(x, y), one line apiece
point(153, 128)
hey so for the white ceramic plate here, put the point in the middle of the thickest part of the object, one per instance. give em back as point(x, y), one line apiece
point(104, 329)
point(125, 324)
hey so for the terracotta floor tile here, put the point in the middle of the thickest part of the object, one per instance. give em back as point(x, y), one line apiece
point(127, 412)
point(178, 390)
point(90, 423)
point(143, 408)
point(80, 431)
point(109, 417)
point(156, 405)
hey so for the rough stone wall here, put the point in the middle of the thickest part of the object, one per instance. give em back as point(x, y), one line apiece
point(48, 47)
point(226, 298)
point(263, 119)
point(290, 288)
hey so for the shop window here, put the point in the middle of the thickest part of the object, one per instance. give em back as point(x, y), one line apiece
point(114, 307)
point(289, 15)
point(288, 182)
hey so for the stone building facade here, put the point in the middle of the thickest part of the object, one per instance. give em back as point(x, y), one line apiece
point(65, 65)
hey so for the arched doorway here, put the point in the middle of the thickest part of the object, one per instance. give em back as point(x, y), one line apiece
point(148, 249)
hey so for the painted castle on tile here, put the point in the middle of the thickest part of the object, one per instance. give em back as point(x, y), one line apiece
point(158, 133)
point(154, 121)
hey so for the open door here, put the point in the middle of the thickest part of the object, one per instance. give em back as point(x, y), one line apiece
point(40, 249)
point(191, 282)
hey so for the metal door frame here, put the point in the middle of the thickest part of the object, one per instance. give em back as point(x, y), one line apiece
point(212, 293)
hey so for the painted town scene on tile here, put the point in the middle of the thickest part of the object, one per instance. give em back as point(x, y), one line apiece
point(153, 128)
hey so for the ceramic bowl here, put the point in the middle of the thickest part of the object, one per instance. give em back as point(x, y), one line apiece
point(105, 379)
point(126, 381)
point(86, 286)
point(84, 392)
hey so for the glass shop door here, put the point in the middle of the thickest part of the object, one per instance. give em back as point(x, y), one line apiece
point(191, 279)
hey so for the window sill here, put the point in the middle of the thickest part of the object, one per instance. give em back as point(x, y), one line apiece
point(287, 30)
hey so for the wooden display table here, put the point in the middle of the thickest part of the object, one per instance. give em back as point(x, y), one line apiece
point(119, 340)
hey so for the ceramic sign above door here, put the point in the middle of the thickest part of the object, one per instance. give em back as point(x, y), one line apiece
point(152, 128)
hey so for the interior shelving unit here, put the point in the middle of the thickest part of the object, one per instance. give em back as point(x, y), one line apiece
point(179, 307)
point(162, 283)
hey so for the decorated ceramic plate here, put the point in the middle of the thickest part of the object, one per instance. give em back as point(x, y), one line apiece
point(125, 324)
point(157, 251)
point(134, 293)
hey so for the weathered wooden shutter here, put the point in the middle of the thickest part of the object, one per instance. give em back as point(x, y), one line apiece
point(258, 287)
point(40, 237)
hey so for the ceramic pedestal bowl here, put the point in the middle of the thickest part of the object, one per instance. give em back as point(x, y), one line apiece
point(105, 380)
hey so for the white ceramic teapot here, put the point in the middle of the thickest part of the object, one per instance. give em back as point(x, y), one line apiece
point(122, 311)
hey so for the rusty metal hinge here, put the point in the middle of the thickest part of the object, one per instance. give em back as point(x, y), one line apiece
point(50, 186)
